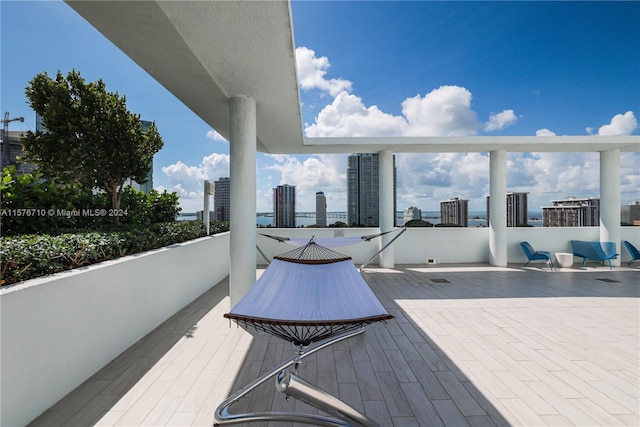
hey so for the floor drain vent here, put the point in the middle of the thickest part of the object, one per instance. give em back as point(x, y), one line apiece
point(440, 281)
point(609, 280)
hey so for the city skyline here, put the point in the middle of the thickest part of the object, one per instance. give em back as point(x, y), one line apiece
point(388, 68)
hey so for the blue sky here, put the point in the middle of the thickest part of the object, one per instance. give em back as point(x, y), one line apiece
point(387, 68)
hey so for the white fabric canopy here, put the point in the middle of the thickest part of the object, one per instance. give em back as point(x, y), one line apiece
point(294, 293)
point(309, 294)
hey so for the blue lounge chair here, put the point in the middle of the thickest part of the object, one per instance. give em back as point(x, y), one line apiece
point(533, 255)
point(633, 251)
point(595, 251)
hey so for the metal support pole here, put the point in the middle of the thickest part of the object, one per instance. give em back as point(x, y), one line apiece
point(292, 385)
point(383, 248)
point(222, 415)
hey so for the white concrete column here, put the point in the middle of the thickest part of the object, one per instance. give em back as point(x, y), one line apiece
point(498, 206)
point(242, 224)
point(610, 199)
point(386, 212)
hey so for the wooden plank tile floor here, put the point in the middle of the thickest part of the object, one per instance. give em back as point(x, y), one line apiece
point(471, 345)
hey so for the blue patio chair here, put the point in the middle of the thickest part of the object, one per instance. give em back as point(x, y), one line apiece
point(633, 251)
point(533, 255)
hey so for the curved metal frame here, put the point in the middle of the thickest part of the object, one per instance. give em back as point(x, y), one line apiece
point(383, 248)
point(297, 388)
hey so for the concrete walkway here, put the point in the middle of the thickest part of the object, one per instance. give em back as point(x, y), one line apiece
point(470, 345)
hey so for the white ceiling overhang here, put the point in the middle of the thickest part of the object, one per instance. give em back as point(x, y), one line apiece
point(468, 144)
point(205, 52)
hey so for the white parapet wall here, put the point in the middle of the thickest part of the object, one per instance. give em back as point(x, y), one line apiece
point(446, 245)
point(360, 252)
point(59, 330)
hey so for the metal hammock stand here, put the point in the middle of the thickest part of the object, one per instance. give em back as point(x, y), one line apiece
point(338, 305)
point(339, 241)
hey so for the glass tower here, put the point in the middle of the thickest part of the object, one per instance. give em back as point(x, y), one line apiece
point(455, 211)
point(222, 199)
point(363, 181)
point(321, 209)
point(284, 206)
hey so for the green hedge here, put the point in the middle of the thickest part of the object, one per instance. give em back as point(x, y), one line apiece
point(33, 205)
point(29, 256)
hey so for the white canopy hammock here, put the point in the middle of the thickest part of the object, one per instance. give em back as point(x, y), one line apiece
point(327, 242)
point(335, 242)
point(305, 296)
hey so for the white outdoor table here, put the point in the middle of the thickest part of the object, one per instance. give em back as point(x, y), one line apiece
point(564, 259)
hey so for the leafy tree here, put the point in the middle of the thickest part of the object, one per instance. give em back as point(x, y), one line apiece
point(338, 224)
point(90, 138)
point(418, 223)
point(31, 204)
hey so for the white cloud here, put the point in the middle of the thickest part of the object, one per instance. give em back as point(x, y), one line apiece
point(545, 132)
point(181, 174)
point(630, 176)
point(188, 181)
point(551, 176)
point(424, 180)
point(312, 71)
point(348, 116)
point(621, 124)
point(326, 173)
point(445, 111)
point(213, 134)
point(280, 158)
point(500, 121)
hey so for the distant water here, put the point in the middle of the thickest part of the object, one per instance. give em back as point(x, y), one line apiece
point(476, 219)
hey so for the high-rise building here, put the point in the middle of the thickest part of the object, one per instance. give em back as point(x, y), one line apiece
point(148, 185)
point(363, 181)
point(630, 214)
point(455, 211)
point(11, 146)
point(284, 206)
point(11, 149)
point(222, 199)
point(411, 213)
point(321, 209)
point(517, 209)
point(572, 212)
